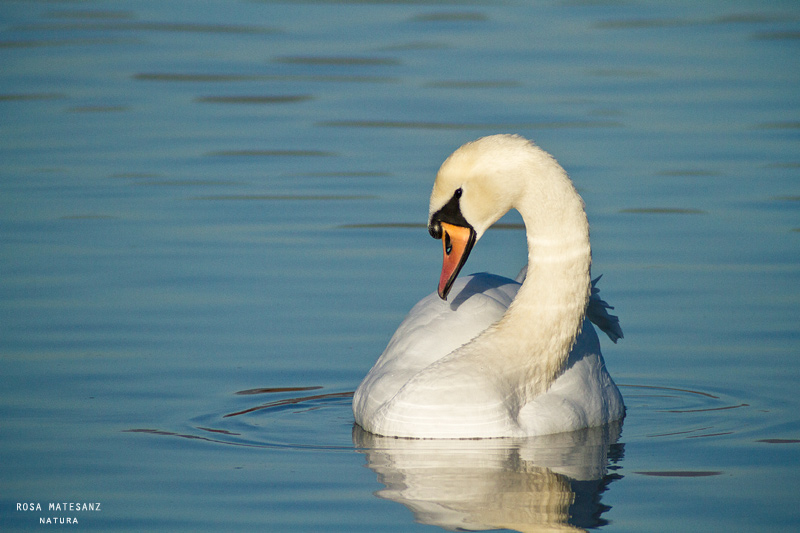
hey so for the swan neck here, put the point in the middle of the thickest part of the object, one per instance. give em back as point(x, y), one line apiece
point(551, 304)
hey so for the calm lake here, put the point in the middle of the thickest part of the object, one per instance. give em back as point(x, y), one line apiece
point(212, 220)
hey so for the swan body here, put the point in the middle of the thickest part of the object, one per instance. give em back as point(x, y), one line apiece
point(501, 357)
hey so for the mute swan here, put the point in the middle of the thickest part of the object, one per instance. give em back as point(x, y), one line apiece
point(501, 358)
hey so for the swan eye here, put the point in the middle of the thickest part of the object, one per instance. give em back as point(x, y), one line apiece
point(448, 245)
point(458, 193)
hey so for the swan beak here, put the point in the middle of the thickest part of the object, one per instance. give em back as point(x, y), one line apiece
point(457, 241)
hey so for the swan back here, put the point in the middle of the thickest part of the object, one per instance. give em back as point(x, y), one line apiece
point(432, 329)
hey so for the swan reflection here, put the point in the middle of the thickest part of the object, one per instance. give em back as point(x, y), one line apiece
point(552, 482)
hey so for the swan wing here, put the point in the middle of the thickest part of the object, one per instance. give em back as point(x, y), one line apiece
point(583, 396)
point(431, 330)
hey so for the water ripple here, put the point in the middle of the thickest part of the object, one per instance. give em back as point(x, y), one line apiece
point(500, 126)
point(448, 16)
point(680, 473)
point(334, 60)
point(169, 27)
point(91, 15)
point(217, 78)
point(16, 97)
point(279, 99)
point(279, 404)
point(283, 197)
point(700, 413)
point(271, 153)
point(662, 211)
point(292, 418)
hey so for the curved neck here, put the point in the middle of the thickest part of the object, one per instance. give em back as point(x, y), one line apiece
point(530, 345)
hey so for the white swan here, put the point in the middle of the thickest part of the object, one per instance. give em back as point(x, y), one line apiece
point(500, 359)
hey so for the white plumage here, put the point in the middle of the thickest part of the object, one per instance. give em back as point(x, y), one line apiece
point(501, 357)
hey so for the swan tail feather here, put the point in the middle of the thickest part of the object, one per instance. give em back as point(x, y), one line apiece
point(597, 313)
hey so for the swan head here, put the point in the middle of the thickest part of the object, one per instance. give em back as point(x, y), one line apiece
point(479, 183)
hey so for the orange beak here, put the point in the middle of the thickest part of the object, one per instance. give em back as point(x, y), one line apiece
point(457, 241)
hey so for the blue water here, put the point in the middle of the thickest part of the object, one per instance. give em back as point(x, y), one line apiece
point(212, 220)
